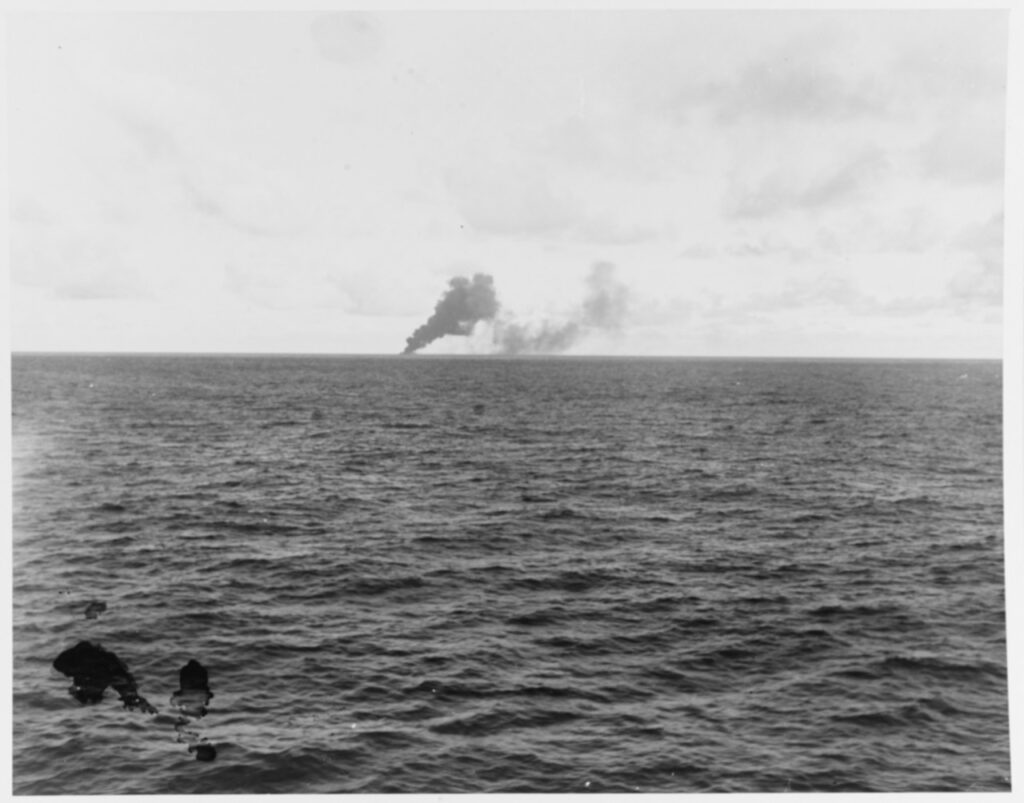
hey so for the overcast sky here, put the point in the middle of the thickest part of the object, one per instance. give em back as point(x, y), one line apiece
point(756, 183)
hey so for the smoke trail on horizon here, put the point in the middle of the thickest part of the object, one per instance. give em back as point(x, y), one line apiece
point(469, 301)
point(603, 310)
point(464, 304)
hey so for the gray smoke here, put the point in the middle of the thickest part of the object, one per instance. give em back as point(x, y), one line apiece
point(466, 302)
point(604, 309)
point(518, 338)
point(607, 301)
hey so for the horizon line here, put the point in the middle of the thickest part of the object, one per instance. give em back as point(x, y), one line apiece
point(378, 355)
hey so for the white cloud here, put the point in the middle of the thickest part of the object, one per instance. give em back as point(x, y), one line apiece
point(510, 199)
point(981, 282)
point(784, 190)
point(68, 261)
point(786, 88)
point(285, 286)
point(966, 146)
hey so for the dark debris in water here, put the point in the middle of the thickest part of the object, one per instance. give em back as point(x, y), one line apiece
point(94, 609)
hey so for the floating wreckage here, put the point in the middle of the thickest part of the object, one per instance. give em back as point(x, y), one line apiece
point(190, 701)
point(93, 669)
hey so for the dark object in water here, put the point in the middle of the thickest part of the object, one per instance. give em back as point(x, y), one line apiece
point(204, 752)
point(479, 408)
point(191, 700)
point(92, 669)
point(94, 609)
point(194, 693)
point(316, 415)
point(193, 676)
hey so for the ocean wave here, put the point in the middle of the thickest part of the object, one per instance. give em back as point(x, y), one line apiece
point(494, 722)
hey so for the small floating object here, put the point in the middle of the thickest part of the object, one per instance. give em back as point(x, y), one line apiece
point(316, 415)
point(194, 695)
point(204, 752)
point(193, 676)
point(479, 408)
point(94, 609)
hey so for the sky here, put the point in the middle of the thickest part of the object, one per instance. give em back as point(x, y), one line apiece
point(713, 183)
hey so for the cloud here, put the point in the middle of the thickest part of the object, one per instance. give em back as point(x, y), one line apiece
point(784, 191)
point(984, 239)
point(619, 144)
point(978, 286)
point(219, 183)
point(372, 293)
point(28, 211)
point(749, 245)
point(966, 147)
point(981, 283)
point(234, 192)
point(348, 38)
point(664, 309)
point(909, 229)
point(699, 251)
point(951, 58)
point(785, 88)
point(523, 197)
point(608, 231)
point(822, 289)
point(152, 135)
point(71, 264)
point(279, 286)
point(844, 68)
point(777, 69)
point(510, 199)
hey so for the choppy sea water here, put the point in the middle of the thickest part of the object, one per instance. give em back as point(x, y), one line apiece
point(504, 575)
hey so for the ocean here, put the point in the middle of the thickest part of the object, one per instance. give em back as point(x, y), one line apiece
point(491, 575)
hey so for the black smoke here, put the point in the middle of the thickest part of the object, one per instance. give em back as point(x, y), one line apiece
point(604, 309)
point(466, 302)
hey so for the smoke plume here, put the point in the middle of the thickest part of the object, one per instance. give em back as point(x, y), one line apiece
point(466, 302)
point(603, 309)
